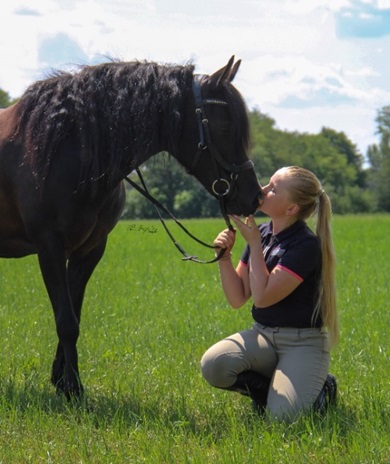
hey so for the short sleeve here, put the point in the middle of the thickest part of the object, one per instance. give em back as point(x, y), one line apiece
point(302, 258)
point(245, 255)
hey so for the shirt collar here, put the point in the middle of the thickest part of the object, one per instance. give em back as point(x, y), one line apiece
point(291, 230)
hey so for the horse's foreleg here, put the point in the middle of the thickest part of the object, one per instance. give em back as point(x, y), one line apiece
point(52, 262)
point(57, 370)
point(79, 271)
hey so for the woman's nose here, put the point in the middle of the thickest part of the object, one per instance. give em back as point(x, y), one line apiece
point(265, 189)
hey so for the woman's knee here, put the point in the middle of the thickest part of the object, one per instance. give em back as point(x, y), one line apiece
point(223, 361)
point(220, 368)
point(287, 401)
point(281, 408)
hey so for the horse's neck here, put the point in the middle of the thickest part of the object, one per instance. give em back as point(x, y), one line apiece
point(160, 131)
point(167, 140)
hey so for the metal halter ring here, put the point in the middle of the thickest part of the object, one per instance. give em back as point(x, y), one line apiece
point(215, 190)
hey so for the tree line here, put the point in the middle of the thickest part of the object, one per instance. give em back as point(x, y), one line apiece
point(355, 184)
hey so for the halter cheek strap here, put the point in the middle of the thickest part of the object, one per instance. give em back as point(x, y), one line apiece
point(205, 141)
point(221, 186)
point(199, 109)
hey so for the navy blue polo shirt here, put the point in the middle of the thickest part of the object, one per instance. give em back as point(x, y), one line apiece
point(297, 251)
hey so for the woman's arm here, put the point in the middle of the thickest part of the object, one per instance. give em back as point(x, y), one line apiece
point(235, 281)
point(266, 288)
point(269, 288)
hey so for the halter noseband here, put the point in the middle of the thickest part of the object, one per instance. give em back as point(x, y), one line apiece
point(222, 187)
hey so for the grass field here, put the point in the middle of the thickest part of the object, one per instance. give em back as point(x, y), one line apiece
point(148, 317)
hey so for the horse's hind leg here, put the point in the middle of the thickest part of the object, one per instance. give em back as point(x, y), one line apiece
point(80, 269)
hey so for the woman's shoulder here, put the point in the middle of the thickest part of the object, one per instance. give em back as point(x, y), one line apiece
point(305, 238)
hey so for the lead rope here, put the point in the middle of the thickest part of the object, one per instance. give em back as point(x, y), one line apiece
point(157, 205)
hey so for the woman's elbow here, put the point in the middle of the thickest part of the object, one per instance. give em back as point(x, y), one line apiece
point(237, 303)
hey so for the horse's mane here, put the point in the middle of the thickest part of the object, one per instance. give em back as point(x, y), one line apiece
point(116, 110)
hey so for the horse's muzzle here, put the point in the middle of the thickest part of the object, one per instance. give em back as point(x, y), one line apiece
point(255, 204)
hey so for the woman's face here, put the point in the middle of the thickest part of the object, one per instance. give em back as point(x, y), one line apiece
point(276, 197)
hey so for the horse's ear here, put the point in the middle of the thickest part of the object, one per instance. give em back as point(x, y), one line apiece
point(225, 74)
point(234, 70)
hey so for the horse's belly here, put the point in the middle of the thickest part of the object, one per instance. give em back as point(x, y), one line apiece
point(14, 242)
point(15, 247)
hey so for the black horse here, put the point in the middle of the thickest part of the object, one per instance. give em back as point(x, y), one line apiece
point(67, 145)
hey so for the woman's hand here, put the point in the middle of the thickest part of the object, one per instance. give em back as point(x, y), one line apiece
point(225, 239)
point(248, 230)
point(235, 281)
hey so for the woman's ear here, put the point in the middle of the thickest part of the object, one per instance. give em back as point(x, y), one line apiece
point(292, 209)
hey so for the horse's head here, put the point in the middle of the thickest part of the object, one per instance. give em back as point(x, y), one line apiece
point(218, 153)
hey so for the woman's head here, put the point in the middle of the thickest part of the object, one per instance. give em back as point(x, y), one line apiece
point(303, 187)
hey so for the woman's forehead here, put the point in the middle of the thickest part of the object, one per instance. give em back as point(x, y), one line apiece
point(278, 176)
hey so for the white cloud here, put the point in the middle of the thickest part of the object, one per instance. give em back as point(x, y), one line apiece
point(273, 79)
point(305, 6)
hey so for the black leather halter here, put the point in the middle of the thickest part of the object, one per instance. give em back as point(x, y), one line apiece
point(222, 187)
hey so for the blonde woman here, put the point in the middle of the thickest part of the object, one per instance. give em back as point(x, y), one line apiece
point(288, 271)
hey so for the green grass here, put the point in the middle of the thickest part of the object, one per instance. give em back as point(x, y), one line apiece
point(148, 317)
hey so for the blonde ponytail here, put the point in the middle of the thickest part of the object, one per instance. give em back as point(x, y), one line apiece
point(307, 192)
point(327, 296)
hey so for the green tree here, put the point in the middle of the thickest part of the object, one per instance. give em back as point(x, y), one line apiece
point(348, 149)
point(379, 158)
point(5, 99)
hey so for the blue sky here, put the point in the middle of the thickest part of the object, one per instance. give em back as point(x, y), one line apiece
point(306, 63)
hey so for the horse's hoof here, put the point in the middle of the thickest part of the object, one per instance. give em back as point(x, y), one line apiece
point(74, 393)
point(71, 392)
point(60, 386)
